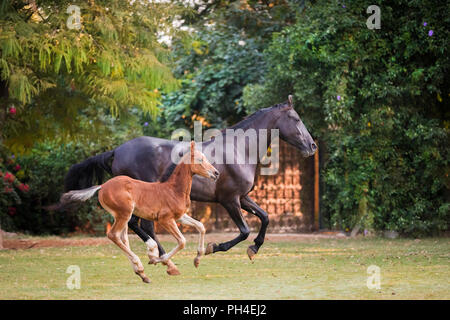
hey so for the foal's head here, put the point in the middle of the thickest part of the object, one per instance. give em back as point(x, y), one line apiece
point(200, 165)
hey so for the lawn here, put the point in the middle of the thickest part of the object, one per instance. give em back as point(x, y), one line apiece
point(290, 268)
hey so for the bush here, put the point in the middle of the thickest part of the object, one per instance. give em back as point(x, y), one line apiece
point(11, 188)
point(376, 99)
point(396, 164)
point(43, 169)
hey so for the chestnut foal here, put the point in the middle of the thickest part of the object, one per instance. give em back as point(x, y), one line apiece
point(164, 202)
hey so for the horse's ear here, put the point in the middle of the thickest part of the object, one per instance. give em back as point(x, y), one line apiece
point(291, 103)
point(192, 151)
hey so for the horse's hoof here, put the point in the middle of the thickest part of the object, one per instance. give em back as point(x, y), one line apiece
point(210, 248)
point(196, 261)
point(173, 272)
point(251, 252)
point(142, 275)
point(172, 269)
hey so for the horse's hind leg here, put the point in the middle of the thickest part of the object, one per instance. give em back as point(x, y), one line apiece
point(189, 221)
point(115, 235)
point(250, 206)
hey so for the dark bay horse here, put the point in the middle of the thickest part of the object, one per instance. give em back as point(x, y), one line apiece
point(149, 159)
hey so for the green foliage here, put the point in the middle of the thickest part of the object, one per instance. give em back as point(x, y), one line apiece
point(377, 100)
point(52, 72)
point(223, 56)
point(12, 190)
point(400, 175)
point(215, 68)
point(43, 170)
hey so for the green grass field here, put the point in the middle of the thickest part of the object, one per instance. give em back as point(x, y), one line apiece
point(309, 268)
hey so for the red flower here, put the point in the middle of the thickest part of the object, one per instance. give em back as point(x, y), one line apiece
point(9, 177)
point(17, 167)
point(12, 110)
point(24, 187)
point(12, 211)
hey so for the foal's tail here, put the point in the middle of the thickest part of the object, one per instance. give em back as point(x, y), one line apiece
point(79, 195)
point(71, 197)
point(74, 196)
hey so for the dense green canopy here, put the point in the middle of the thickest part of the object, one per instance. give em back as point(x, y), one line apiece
point(53, 72)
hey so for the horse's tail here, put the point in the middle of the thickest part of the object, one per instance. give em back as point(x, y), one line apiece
point(80, 175)
point(71, 197)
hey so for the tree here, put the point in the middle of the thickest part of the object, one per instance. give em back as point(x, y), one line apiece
point(52, 72)
point(378, 100)
point(224, 54)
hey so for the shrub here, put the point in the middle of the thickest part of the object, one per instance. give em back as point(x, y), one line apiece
point(376, 99)
point(43, 169)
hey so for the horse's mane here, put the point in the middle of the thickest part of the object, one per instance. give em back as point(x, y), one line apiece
point(168, 172)
point(250, 118)
point(241, 124)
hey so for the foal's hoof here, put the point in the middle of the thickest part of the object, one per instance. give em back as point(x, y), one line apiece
point(172, 269)
point(196, 261)
point(210, 248)
point(143, 277)
point(251, 252)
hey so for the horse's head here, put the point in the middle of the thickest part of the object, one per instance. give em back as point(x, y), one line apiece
point(200, 164)
point(293, 131)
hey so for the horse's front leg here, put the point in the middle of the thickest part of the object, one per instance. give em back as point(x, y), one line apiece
point(146, 232)
point(189, 221)
point(251, 207)
point(171, 227)
point(233, 207)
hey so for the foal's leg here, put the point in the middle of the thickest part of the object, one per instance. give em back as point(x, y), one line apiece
point(124, 237)
point(148, 226)
point(115, 235)
point(172, 228)
point(146, 232)
point(189, 221)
